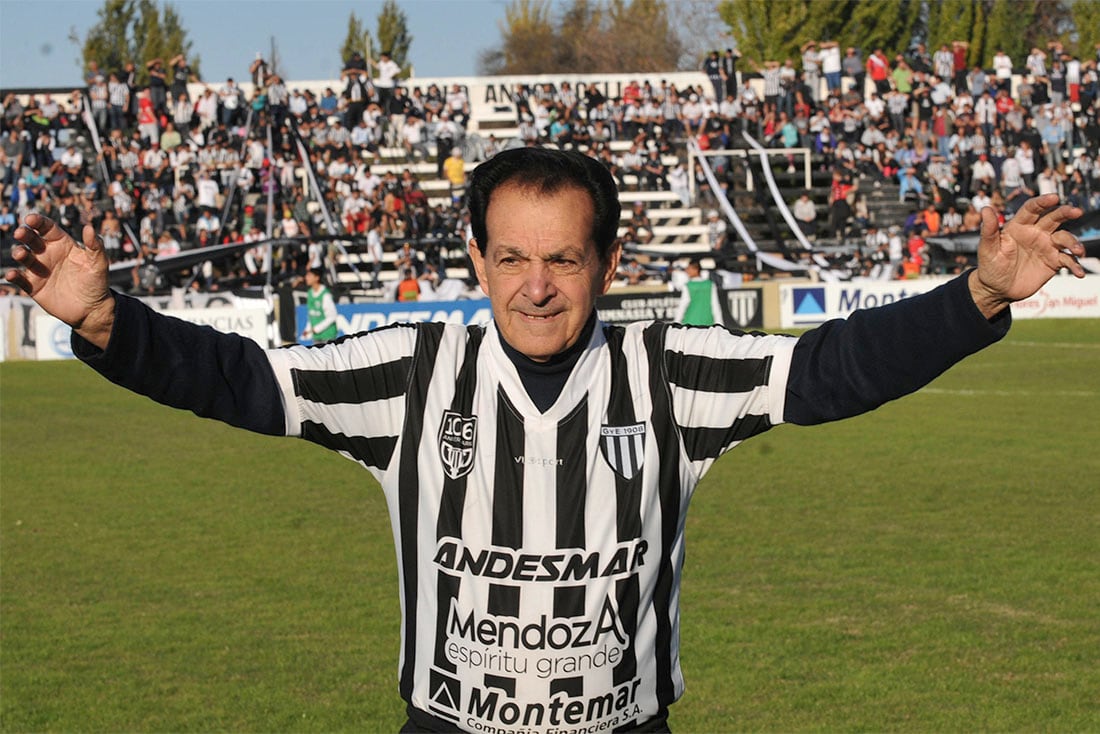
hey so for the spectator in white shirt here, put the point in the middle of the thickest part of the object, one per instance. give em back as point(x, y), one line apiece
point(206, 191)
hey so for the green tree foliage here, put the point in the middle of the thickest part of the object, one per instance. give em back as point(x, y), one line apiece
point(1003, 27)
point(1013, 25)
point(108, 42)
point(138, 31)
point(357, 39)
point(948, 20)
point(1086, 17)
point(175, 38)
point(885, 25)
point(776, 29)
point(393, 33)
point(827, 20)
point(148, 35)
point(767, 29)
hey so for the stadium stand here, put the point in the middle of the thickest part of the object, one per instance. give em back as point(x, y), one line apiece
point(316, 167)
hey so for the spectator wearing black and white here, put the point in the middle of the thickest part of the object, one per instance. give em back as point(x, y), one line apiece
point(339, 138)
point(99, 97)
point(118, 98)
point(458, 104)
point(654, 171)
point(231, 99)
point(448, 133)
point(277, 100)
point(357, 91)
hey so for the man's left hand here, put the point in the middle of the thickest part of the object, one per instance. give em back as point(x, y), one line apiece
point(1016, 260)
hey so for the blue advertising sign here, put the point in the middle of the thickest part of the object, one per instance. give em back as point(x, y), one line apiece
point(352, 318)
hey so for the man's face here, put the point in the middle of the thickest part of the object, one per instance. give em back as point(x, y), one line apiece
point(540, 268)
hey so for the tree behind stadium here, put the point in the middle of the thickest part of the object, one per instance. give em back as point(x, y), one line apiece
point(392, 32)
point(649, 35)
point(137, 31)
point(776, 29)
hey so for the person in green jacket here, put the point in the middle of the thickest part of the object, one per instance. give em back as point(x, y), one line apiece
point(699, 304)
point(320, 308)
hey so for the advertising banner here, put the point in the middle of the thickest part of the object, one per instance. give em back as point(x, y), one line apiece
point(626, 308)
point(811, 304)
point(1064, 297)
point(353, 318)
point(248, 322)
point(20, 316)
point(742, 311)
point(52, 336)
point(741, 307)
point(19, 313)
point(815, 303)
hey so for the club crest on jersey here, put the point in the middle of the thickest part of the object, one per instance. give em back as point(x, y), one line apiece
point(457, 438)
point(623, 448)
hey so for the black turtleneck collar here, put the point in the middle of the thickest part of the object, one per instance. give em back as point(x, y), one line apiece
point(544, 380)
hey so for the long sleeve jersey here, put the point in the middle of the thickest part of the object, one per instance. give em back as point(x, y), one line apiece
point(540, 551)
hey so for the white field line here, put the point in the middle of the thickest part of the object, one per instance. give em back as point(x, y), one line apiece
point(1053, 345)
point(1012, 393)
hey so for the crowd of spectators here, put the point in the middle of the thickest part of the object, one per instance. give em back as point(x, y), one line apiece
point(951, 136)
point(158, 170)
point(174, 171)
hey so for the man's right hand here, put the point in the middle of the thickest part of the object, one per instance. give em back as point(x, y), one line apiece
point(65, 277)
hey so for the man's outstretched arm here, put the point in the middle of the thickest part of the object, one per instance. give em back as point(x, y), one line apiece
point(221, 376)
point(850, 366)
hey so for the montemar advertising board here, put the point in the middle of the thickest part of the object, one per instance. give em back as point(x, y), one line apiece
point(805, 305)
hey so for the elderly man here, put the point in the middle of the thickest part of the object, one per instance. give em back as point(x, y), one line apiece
point(538, 468)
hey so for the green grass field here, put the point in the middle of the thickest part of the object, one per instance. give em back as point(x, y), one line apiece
point(933, 566)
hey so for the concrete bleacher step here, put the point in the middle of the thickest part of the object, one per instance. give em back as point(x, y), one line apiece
point(670, 250)
point(674, 215)
point(657, 197)
point(673, 233)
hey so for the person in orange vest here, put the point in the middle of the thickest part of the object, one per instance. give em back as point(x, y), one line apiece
point(409, 288)
point(931, 218)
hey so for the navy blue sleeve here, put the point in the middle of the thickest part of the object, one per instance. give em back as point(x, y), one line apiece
point(221, 376)
point(850, 366)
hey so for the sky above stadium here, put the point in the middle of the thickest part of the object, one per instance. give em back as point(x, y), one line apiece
point(448, 35)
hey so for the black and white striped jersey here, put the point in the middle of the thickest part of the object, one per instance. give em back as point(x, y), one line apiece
point(539, 553)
